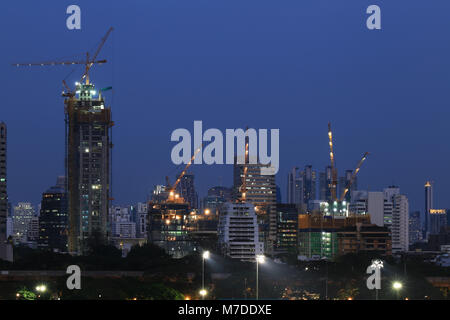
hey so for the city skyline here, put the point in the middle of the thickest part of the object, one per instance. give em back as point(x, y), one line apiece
point(405, 143)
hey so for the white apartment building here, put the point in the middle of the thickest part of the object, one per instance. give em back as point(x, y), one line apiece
point(388, 208)
point(238, 232)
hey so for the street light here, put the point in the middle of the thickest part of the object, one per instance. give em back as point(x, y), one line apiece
point(41, 288)
point(397, 286)
point(259, 259)
point(203, 293)
point(205, 256)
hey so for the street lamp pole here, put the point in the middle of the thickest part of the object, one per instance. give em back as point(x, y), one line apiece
point(257, 279)
point(259, 259)
point(205, 256)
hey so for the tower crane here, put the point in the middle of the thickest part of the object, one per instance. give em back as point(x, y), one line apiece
point(172, 189)
point(333, 166)
point(334, 170)
point(352, 179)
point(88, 63)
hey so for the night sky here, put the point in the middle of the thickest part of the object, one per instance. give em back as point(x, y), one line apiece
point(287, 64)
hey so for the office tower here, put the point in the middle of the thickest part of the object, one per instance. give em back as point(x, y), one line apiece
point(287, 228)
point(261, 192)
point(23, 214)
point(238, 232)
point(167, 227)
point(325, 181)
point(5, 247)
point(186, 189)
point(415, 227)
point(121, 224)
point(294, 187)
point(88, 126)
point(54, 218)
point(428, 207)
point(33, 231)
point(309, 184)
point(141, 220)
point(437, 220)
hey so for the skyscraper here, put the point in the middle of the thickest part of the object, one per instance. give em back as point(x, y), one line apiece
point(400, 219)
point(23, 214)
point(325, 181)
point(5, 248)
point(53, 220)
point(415, 227)
point(261, 192)
point(186, 189)
point(428, 207)
point(309, 184)
point(88, 125)
point(294, 187)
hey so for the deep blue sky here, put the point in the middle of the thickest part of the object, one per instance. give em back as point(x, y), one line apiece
point(287, 64)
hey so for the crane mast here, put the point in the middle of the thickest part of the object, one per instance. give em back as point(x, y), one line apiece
point(333, 167)
point(352, 179)
point(172, 189)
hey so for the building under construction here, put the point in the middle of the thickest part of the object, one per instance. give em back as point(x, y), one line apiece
point(88, 126)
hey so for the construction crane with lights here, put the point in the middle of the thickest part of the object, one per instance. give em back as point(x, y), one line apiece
point(352, 179)
point(88, 64)
point(333, 166)
point(333, 186)
point(173, 196)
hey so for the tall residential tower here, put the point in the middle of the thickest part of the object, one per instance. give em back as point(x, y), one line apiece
point(88, 125)
point(5, 248)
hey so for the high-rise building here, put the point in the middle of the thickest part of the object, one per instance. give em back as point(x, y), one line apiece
point(415, 227)
point(294, 187)
point(261, 192)
point(141, 220)
point(388, 208)
point(287, 228)
point(238, 232)
point(167, 227)
point(54, 219)
point(400, 223)
point(23, 214)
point(374, 203)
point(186, 189)
point(33, 231)
point(5, 247)
point(309, 184)
point(325, 182)
point(437, 220)
point(88, 126)
point(121, 225)
point(428, 207)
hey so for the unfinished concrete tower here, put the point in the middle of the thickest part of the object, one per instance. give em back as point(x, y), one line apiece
point(88, 127)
